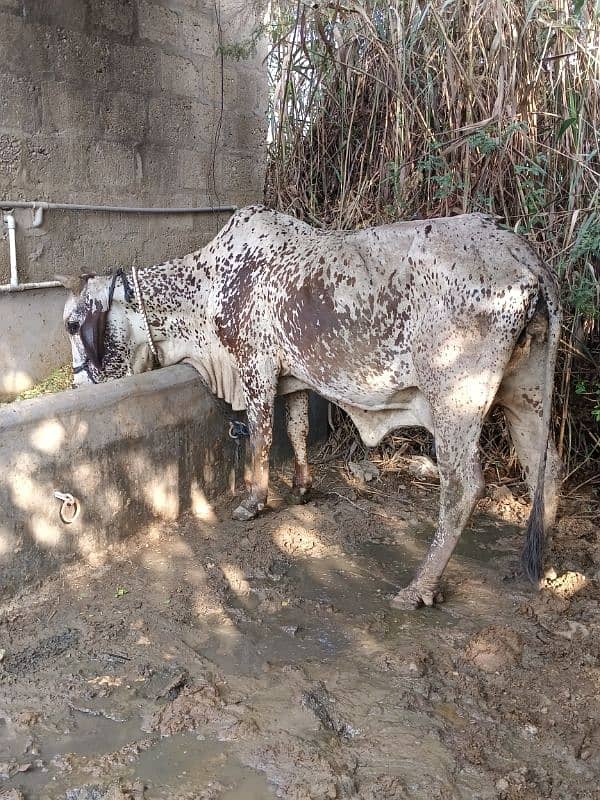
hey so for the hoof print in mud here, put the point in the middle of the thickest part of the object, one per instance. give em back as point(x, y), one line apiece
point(495, 648)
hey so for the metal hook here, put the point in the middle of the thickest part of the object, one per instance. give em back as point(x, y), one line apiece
point(69, 510)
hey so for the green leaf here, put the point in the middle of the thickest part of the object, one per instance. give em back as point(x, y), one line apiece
point(564, 127)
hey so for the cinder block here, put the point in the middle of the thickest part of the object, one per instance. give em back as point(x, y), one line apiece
point(111, 165)
point(244, 131)
point(122, 116)
point(194, 170)
point(177, 121)
point(4, 266)
point(198, 35)
point(25, 48)
point(19, 104)
point(158, 24)
point(204, 6)
point(159, 167)
point(133, 68)
point(243, 177)
point(66, 107)
point(117, 16)
point(55, 161)
point(244, 89)
point(81, 59)
point(180, 76)
point(57, 13)
point(11, 149)
point(97, 115)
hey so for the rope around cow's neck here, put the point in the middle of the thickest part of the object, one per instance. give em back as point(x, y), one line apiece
point(142, 305)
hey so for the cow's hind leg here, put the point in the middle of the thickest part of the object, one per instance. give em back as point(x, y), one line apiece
point(458, 413)
point(259, 384)
point(297, 428)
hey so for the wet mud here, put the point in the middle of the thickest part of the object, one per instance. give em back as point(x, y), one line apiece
point(219, 660)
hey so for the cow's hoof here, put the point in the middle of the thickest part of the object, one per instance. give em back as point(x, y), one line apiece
point(415, 596)
point(243, 514)
point(301, 494)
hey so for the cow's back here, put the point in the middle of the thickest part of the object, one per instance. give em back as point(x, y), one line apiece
point(346, 311)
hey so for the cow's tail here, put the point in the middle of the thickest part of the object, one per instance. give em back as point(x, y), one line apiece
point(532, 558)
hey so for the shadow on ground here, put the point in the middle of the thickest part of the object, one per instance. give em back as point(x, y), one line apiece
point(215, 659)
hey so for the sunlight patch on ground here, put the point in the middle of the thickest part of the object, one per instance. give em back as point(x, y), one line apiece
point(7, 540)
point(161, 493)
point(298, 540)
point(236, 579)
point(566, 585)
point(201, 508)
point(44, 532)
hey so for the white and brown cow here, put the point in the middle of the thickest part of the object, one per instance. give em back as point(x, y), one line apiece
point(424, 323)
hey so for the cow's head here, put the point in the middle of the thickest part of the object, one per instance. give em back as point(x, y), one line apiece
point(100, 318)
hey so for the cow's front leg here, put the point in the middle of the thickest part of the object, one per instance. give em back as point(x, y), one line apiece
point(297, 428)
point(259, 386)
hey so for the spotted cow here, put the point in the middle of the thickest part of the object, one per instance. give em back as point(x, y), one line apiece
point(427, 323)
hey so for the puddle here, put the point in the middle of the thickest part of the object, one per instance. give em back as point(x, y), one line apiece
point(168, 767)
point(185, 760)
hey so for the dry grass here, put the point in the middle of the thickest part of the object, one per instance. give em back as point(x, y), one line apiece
point(58, 380)
point(413, 109)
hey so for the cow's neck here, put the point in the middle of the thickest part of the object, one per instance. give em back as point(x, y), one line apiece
point(169, 304)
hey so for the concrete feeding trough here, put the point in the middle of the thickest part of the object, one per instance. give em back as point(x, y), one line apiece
point(130, 452)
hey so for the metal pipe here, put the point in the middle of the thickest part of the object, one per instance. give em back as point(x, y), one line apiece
point(44, 205)
point(39, 206)
point(10, 223)
point(9, 288)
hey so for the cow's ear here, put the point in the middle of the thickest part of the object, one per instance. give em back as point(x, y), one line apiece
point(92, 332)
point(74, 283)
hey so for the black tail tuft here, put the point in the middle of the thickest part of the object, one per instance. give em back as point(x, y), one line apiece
point(532, 557)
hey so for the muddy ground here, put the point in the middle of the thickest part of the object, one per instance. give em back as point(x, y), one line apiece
point(213, 660)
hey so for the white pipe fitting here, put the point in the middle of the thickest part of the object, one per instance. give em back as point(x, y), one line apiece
point(9, 221)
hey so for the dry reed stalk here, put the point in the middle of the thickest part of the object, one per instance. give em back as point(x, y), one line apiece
point(410, 109)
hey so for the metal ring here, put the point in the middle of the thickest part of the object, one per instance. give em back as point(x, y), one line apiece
point(69, 510)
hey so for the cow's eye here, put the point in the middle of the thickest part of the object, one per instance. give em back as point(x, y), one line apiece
point(72, 327)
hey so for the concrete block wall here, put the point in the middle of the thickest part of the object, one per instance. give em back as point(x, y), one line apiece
point(118, 102)
point(134, 452)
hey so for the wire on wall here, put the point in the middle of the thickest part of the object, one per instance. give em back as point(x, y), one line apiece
point(217, 4)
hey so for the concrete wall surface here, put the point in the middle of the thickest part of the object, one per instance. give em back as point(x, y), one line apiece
point(33, 340)
point(127, 103)
point(118, 102)
point(133, 451)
